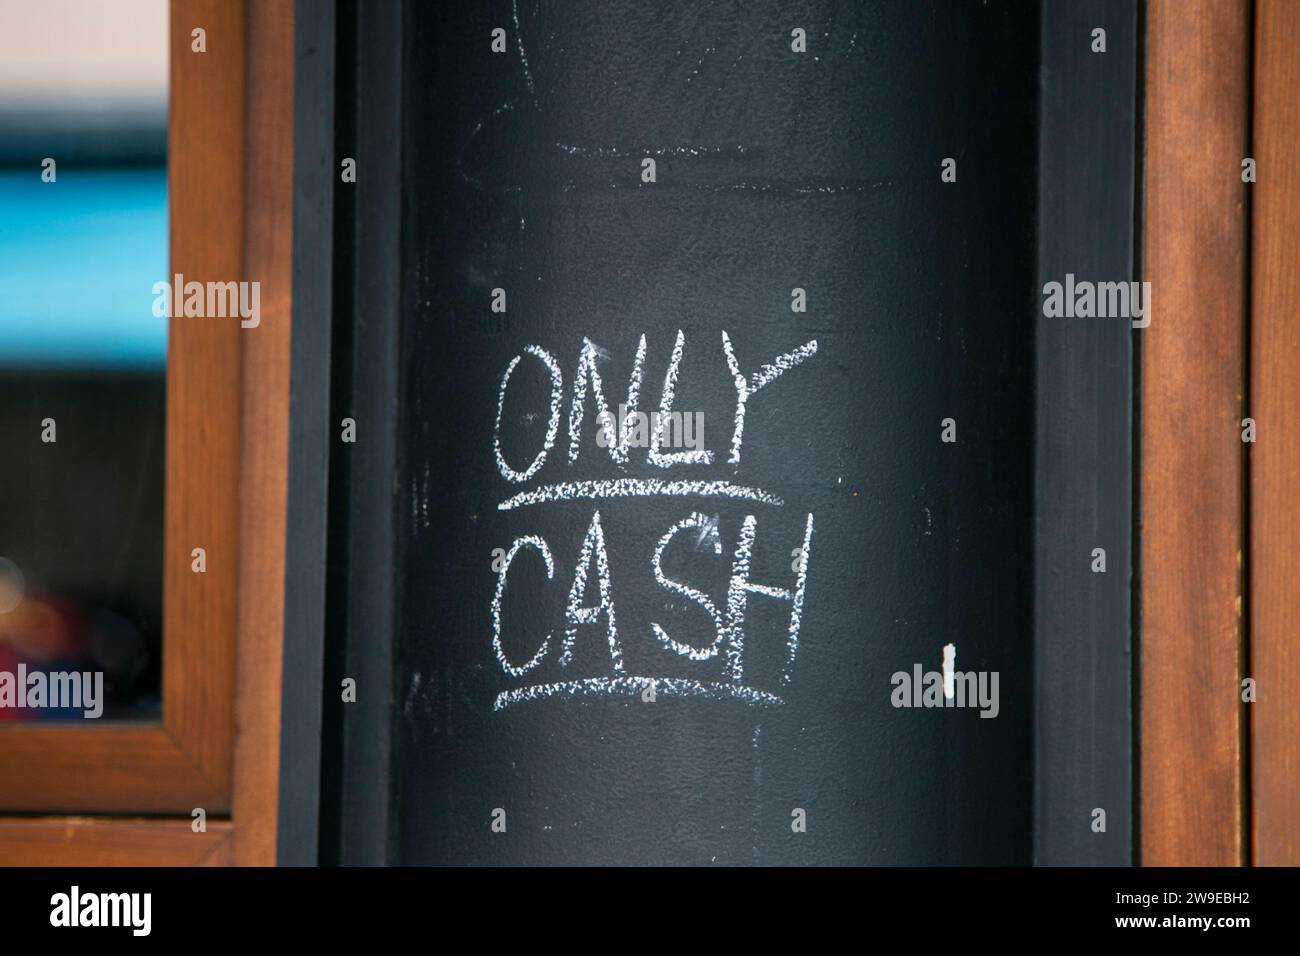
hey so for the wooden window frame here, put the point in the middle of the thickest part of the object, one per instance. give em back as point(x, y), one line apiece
point(1220, 516)
point(1192, 459)
point(1274, 464)
point(230, 162)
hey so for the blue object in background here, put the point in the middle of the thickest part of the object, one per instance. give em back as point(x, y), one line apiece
point(78, 261)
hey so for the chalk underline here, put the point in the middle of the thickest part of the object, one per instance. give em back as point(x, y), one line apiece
point(637, 488)
point(631, 686)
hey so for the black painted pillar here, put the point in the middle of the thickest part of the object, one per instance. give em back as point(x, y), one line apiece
point(685, 653)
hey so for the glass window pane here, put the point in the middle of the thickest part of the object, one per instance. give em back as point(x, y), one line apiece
point(83, 240)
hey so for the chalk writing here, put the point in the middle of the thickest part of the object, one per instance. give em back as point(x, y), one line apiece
point(685, 590)
point(637, 488)
point(727, 621)
point(553, 426)
point(587, 371)
point(608, 686)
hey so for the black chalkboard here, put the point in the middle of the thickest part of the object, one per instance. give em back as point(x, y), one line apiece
point(771, 735)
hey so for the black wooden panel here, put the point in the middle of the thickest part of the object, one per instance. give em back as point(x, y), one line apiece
point(361, 602)
point(774, 170)
point(1083, 651)
point(309, 433)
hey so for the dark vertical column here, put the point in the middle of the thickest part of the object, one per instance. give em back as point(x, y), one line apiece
point(362, 595)
point(1083, 649)
point(634, 659)
point(304, 586)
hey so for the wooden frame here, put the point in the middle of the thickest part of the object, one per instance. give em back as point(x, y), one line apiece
point(1220, 515)
point(79, 841)
point(1192, 776)
point(268, 259)
point(183, 762)
point(230, 171)
point(1275, 457)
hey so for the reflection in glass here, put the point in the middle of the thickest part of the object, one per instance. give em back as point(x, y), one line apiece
point(83, 239)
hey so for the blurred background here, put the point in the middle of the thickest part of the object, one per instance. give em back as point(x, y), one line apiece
point(82, 356)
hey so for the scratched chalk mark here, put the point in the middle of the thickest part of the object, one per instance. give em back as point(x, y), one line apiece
point(637, 488)
point(478, 128)
point(620, 152)
point(758, 789)
point(949, 666)
point(777, 189)
point(631, 686)
point(523, 54)
point(700, 62)
point(797, 598)
point(709, 532)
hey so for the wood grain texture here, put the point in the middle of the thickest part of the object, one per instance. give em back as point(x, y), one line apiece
point(1275, 457)
point(98, 841)
point(1192, 786)
point(206, 176)
point(269, 261)
point(185, 762)
point(107, 769)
